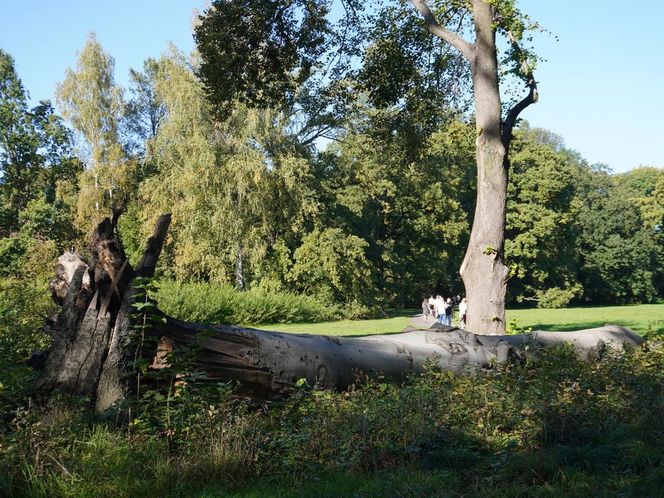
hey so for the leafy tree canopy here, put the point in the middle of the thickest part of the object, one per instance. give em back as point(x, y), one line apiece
point(35, 149)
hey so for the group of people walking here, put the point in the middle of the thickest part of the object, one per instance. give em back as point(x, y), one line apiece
point(441, 309)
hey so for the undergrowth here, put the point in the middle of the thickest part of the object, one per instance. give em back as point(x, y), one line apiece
point(552, 427)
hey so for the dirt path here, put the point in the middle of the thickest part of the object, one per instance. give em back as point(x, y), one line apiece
point(420, 322)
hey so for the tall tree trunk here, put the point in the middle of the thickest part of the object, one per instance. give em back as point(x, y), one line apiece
point(483, 270)
point(97, 342)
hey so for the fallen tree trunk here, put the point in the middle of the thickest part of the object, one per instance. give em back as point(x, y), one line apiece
point(268, 364)
point(98, 341)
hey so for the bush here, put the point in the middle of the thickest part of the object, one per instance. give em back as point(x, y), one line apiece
point(44, 220)
point(558, 297)
point(24, 303)
point(210, 303)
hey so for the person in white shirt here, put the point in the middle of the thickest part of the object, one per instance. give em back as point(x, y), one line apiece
point(439, 306)
point(463, 308)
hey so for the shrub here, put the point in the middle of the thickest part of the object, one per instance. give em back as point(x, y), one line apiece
point(333, 265)
point(558, 297)
point(24, 303)
point(211, 303)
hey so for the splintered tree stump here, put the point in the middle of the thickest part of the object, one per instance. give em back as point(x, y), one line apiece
point(96, 343)
point(93, 331)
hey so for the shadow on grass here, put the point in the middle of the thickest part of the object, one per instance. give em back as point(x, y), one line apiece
point(567, 327)
point(656, 327)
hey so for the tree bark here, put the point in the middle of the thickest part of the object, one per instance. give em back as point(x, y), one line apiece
point(483, 270)
point(92, 296)
point(93, 331)
point(96, 340)
point(114, 379)
point(239, 268)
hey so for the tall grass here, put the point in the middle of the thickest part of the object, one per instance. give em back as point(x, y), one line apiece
point(209, 303)
point(557, 426)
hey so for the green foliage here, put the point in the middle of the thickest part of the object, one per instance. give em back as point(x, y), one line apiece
point(379, 219)
point(321, 62)
point(556, 297)
point(555, 426)
point(259, 53)
point(575, 232)
point(513, 328)
point(145, 111)
point(91, 101)
point(410, 81)
point(26, 269)
point(27, 262)
point(18, 146)
point(542, 209)
point(406, 203)
point(24, 293)
point(35, 160)
point(239, 191)
point(35, 150)
point(208, 303)
point(44, 220)
point(621, 255)
point(11, 251)
point(130, 228)
point(333, 266)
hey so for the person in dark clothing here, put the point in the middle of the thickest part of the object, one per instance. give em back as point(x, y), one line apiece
point(449, 307)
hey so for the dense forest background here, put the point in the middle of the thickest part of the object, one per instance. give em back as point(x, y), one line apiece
point(361, 197)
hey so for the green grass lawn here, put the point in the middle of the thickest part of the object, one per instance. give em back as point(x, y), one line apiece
point(642, 318)
point(397, 321)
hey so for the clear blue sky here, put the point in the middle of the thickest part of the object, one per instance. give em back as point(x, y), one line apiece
point(601, 86)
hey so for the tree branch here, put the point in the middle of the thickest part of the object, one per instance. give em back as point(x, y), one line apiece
point(148, 263)
point(441, 32)
point(531, 98)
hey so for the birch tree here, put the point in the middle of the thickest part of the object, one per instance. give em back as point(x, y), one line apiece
point(91, 101)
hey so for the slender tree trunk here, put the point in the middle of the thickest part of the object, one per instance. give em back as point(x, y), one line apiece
point(483, 270)
point(239, 268)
